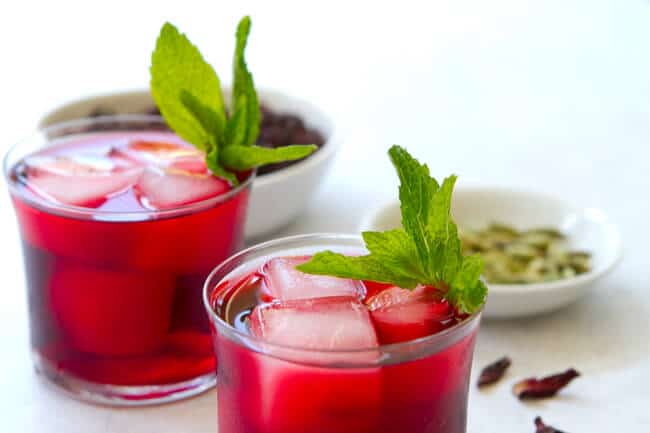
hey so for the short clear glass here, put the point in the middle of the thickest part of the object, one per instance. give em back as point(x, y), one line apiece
point(420, 386)
point(114, 296)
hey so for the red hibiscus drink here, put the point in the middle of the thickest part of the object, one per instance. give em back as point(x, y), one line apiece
point(119, 231)
point(302, 353)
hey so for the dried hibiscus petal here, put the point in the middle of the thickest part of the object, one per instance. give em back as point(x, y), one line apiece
point(544, 387)
point(540, 427)
point(494, 372)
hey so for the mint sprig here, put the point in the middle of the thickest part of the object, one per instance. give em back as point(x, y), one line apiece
point(188, 93)
point(427, 250)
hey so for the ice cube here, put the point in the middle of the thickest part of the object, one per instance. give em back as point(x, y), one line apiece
point(392, 295)
point(168, 188)
point(402, 315)
point(163, 154)
point(79, 180)
point(324, 323)
point(282, 281)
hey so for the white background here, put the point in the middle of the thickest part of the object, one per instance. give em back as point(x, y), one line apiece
point(551, 95)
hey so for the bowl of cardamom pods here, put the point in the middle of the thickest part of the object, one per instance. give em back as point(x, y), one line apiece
point(540, 252)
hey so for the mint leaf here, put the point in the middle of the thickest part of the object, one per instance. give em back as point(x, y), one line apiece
point(246, 109)
point(416, 192)
point(236, 129)
point(206, 116)
point(446, 249)
point(427, 251)
point(177, 68)
point(395, 250)
point(360, 268)
point(467, 291)
point(246, 157)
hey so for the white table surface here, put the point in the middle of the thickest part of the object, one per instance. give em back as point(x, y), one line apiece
point(552, 95)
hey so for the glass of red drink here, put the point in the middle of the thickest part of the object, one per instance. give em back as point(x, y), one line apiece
point(309, 354)
point(121, 223)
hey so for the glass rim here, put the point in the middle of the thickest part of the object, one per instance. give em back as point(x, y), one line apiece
point(72, 210)
point(209, 286)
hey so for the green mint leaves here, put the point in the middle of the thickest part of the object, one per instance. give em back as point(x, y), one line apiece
point(239, 157)
point(179, 73)
point(187, 91)
point(246, 109)
point(426, 251)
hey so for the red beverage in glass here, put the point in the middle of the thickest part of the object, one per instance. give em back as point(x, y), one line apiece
point(119, 231)
point(311, 354)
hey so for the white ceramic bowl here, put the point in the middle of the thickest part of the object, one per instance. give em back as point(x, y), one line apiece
point(278, 197)
point(586, 229)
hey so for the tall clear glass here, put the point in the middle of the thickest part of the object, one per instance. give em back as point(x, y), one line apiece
point(420, 386)
point(114, 297)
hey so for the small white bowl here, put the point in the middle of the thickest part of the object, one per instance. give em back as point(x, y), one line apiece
point(586, 229)
point(278, 197)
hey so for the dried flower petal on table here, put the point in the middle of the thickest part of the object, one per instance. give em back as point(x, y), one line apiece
point(494, 372)
point(540, 427)
point(533, 388)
